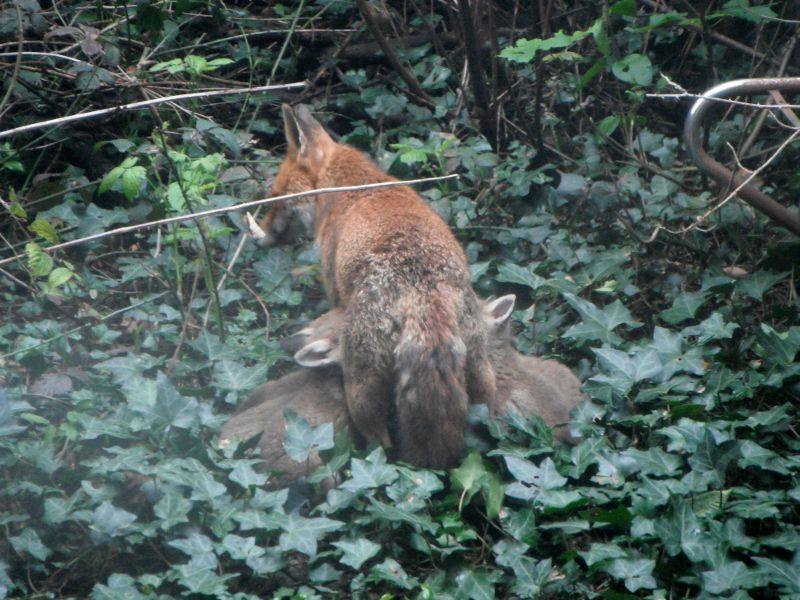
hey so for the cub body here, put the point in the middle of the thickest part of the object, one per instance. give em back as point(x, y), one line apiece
point(413, 342)
point(316, 395)
point(525, 384)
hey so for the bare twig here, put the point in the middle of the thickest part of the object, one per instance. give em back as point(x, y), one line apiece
point(145, 103)
point(477, 78)
point(391, 56)
point(704, 217)
point(227, 209)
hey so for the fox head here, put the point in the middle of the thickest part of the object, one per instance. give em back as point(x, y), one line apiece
point(309, 150)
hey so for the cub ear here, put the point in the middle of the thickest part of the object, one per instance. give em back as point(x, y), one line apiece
point(319, 353)
point(498, 311)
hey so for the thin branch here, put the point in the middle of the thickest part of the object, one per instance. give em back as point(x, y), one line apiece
point(704, 217)
point(227, 209)
point(145, 103)
point(374, 29)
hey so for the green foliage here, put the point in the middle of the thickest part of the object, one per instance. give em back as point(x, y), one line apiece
point(122, 357)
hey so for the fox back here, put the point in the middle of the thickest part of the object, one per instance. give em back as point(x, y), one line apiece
point(413, 342)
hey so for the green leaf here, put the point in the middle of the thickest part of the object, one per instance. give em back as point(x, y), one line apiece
point(302, 534)
point(392, 571)
point(634, 68)
point(713, 328)
point(302, 439)
point(29, 542)
point(544, 476)
point(599, 552)
point(370, 473)
point(119, 586)
point(244, 474)
point(131, 181)
point(475, 584)
point(43, 228)
point(110, 520)
point(730, 576)
point(39, 262)
point(784, 574)
point(598, 324)
point(199, 548)
point(357, 552)
point(636, 573)
point(743, 9)
point(511, 273)
point(202, 580)
point(59, 276)
point(777, 347)
point(714, 458)
point(172, 509)
point(525, 50)
point(684, 307)
point(654, 461)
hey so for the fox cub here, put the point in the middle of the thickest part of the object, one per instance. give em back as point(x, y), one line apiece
point(525, 384)
point(413, 342)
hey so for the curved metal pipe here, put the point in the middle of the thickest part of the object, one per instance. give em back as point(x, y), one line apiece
point(691, 137)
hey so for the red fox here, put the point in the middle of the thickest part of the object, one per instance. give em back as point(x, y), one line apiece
point(413, 341)
point(525, 384)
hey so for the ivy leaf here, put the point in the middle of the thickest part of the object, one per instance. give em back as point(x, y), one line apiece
point(244, 474)
point(118, 586)
point(599, 552)
point(392, 571)
point(29, 542)
point(511, 273)
point(199, 548)
point(654, 461)
point(777, 347)
point(784, 574)
point(202, 580)
point(302, 534)
point(231, 375)
point(730, 576)
point(636, 573)
point(599, 324)
point(476, 584)
point(370, 473)
point(172, 508)
point(110, 520)
point(302, 439)
point(713, 328)
point(530, 575)
point(684, 307)
point(357, 552)
point(713, 458)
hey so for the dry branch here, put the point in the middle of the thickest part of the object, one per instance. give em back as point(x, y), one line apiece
point(227, 209)
point(146, 103)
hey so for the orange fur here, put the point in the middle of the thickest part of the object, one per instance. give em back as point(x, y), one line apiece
point(413, 344)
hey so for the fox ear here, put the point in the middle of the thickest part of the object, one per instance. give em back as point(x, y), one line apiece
point(291, 129)
point(307, 139)
point(319, 353)
point(498, 311)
